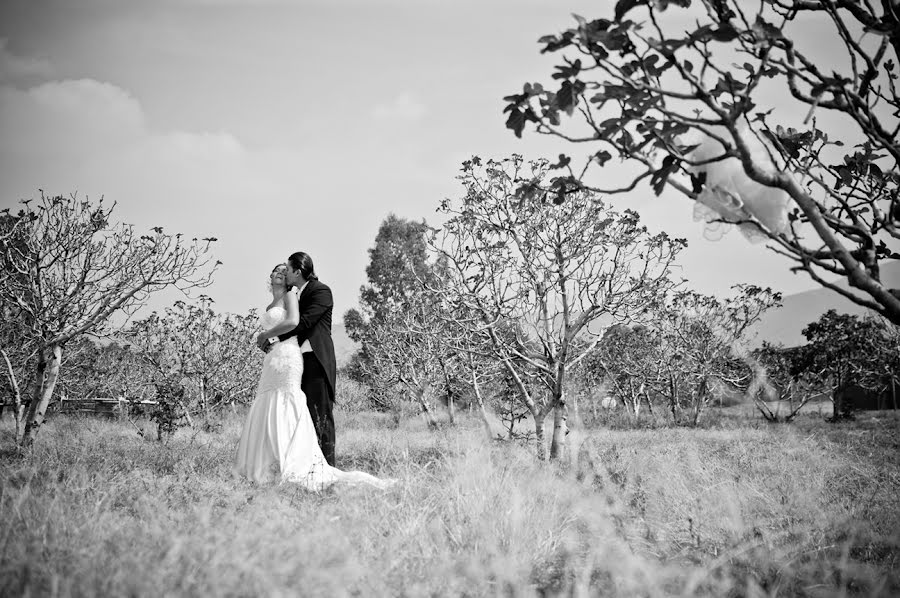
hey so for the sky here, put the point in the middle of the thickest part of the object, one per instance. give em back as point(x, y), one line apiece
point(279, 126)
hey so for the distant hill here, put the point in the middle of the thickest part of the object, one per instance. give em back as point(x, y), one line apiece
point(785, 325)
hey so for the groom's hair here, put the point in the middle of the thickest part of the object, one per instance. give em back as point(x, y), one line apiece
point(301, 261)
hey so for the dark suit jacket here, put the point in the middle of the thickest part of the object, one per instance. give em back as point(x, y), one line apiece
point(316, 305)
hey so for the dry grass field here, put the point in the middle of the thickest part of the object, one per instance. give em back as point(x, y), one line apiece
point(738, 508)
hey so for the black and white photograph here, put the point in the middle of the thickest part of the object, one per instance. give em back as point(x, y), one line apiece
point(408, 298)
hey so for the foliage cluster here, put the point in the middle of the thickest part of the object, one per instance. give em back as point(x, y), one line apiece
point(198, 360)
point(693, 350)
point(684, 94)
point(843, 351)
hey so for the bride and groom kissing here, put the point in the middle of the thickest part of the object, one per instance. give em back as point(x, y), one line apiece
point(289, 431)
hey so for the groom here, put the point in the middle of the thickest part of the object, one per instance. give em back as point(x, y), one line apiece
point(314, 335)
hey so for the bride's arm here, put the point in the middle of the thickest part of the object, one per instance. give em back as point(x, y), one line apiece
point(291, 318)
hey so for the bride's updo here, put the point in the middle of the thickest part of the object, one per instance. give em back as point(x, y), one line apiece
point(283, 268)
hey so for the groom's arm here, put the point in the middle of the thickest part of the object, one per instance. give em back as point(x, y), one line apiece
point(320, 301)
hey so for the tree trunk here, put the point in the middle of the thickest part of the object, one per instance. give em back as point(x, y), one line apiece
point(47, 374)
point(673, 399)
point(481, 410)
point(539, 435)
point(635, 398)
point(484, 420)
point(187, 413)
point(18, 407)
point(700, 401)
point(558, 445)
point(448, 384)
point(450, 408)
point(421, 392)
point(203, 404)
point(642, 391)
point(636, 406)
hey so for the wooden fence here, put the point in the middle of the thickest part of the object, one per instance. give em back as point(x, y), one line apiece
point(105, 406)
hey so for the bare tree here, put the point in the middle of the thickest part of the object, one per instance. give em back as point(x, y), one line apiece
point(689, 98)
point(68, 270)
point(538, 276)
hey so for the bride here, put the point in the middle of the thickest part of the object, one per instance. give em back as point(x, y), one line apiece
point(278, 430)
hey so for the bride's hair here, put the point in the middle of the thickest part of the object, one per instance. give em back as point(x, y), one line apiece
point(301, 261)
point(287, 287)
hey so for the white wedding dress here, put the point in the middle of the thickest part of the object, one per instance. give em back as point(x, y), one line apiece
point(730, 196)
point(279, 438)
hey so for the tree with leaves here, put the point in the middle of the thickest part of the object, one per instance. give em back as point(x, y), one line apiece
point(693, 347)
point(844, 350)
point(407, 355)
point(628, 359)
point(67, 269)
point(689, 96)
point(112, 369)
point(551, 275)
point(403, 348)
point(705, 343)
point(781, 368)
point(212, 354)
point(398, 265)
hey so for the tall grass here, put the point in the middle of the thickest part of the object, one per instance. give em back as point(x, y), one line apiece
point(748, 510)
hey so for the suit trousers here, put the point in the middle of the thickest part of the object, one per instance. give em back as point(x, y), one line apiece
point(320, 400)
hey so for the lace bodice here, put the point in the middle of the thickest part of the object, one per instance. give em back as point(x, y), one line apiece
point(283, 364)
point(272, 316)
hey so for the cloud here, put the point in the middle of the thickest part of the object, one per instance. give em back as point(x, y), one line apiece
point(18, 69)
point(94, 139)
point(404, 107)
point(61, 117)
point(76, 121)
